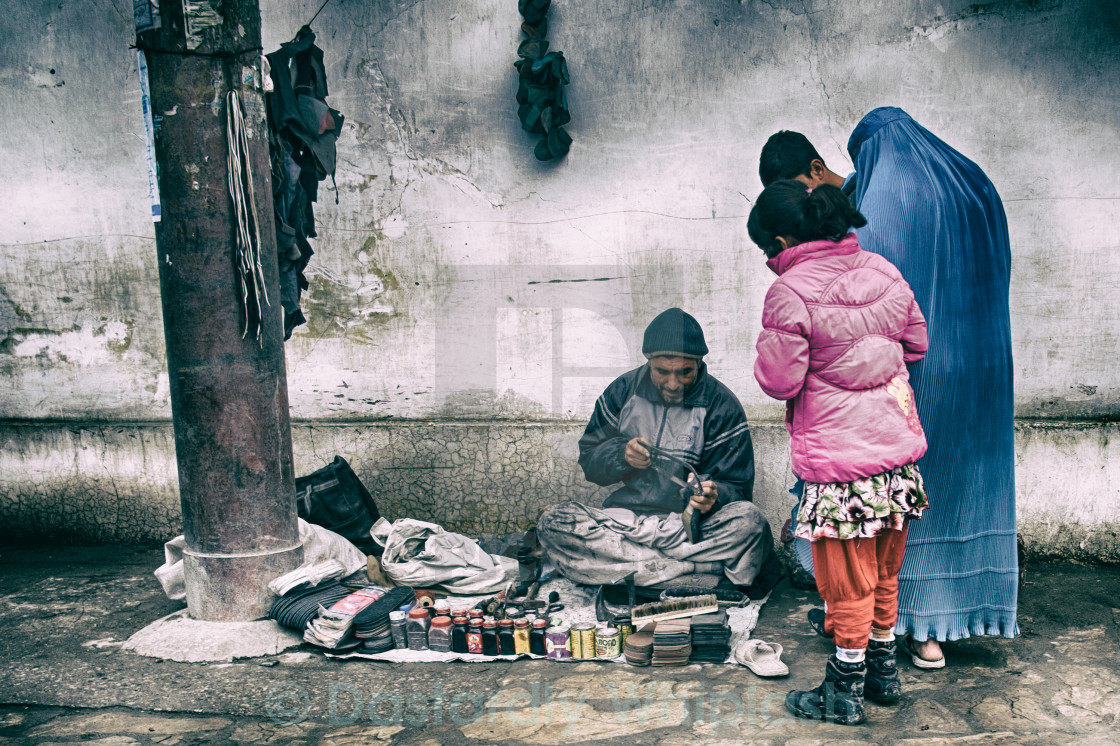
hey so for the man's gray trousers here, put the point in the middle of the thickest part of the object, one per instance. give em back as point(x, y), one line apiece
point(602, 546)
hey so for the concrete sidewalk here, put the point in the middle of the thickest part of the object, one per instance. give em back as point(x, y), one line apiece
point(65, 612)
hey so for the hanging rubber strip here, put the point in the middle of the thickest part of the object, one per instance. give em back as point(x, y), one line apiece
point(250, 273)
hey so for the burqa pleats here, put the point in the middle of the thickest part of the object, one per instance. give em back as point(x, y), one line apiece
point(938, 218)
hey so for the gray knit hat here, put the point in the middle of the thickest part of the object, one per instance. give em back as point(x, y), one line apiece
point(674, 333)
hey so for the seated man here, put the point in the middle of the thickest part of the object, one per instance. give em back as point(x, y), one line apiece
point(673, 404)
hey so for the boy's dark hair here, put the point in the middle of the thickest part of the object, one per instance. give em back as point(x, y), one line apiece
point(785, 155)
point(788, 209)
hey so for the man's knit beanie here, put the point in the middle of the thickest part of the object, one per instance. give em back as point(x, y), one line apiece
point(674, 333)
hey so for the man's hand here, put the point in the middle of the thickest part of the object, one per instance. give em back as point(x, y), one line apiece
point(707, 501)
point(637, 456)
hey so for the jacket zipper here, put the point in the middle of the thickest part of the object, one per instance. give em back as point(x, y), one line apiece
point(657, 444)
point(661, 427)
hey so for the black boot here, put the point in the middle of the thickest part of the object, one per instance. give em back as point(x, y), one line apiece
point(839, 698)
point(883, 685)
point(816, 621)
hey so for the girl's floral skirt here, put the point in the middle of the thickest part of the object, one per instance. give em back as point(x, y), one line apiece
point(862, 508)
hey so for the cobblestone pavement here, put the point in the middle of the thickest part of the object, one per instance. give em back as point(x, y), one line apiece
point(65, 612)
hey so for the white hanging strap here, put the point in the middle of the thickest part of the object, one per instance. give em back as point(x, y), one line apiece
point(250, 273)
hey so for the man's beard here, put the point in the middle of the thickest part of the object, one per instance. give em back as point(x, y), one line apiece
point(678, 399)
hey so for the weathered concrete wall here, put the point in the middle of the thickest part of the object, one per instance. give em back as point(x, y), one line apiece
point(117, 484)
point(458, 279)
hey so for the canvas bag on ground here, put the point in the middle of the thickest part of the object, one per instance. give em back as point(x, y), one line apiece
point(318, 544)
point(424, 555)
point(333, 497)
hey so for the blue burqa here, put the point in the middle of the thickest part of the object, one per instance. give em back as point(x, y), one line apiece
point(936, 216)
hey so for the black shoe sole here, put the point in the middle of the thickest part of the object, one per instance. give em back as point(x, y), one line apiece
point(882, 700)
point(793, 708)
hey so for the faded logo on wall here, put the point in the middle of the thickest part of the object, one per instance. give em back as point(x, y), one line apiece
point(516, 339)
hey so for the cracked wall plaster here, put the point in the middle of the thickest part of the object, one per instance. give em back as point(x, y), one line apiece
point(457, 278)
point(439, 199)
point(117, 484)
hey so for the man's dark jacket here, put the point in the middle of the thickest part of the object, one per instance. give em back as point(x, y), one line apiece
point(708, 430)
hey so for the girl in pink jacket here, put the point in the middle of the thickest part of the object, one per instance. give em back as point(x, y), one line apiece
point(839, 326)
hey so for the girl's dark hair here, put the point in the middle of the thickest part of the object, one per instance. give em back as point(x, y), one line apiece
point(789, 209)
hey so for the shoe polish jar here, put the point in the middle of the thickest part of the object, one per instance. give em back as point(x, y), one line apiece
point(417, 629)
point(536, 637)
point(474, 636)
point(439, 636)
point(521, 636)
point(506, 644)
point(397, 625)
point(459, 634)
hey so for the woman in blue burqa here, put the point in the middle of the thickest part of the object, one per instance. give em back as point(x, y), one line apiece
point(935, 215)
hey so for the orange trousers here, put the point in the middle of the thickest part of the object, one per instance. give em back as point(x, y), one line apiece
point(858, 579)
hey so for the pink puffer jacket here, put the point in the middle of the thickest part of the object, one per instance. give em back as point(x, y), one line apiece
point(838, 327)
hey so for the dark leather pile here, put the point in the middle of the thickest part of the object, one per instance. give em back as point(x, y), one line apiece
point(672, 642)
point(302, 131)
point(371, 624)
point(711, 638)
point(296, 609)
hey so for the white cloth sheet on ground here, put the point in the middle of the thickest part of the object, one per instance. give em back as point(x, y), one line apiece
point(579, 608)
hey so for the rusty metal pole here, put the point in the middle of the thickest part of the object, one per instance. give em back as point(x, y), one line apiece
point(229, 395)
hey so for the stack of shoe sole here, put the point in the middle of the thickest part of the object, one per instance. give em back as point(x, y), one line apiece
point(672, 642)
point(371, 624)
point(711, 638)
point(296, 609)
point(334, 626)
point(639, 646)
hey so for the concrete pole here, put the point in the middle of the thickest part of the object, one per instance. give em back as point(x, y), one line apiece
point(229, 395)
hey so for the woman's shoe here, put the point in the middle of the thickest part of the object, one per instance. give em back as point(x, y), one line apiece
point(911, 647)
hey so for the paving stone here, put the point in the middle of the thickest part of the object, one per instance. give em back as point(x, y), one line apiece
point(930, 716)
point(1091, 695)
point(1012, 709)
point(358, 735)
point(124, 722)
point(268, 732)
point(981, 739)
point(111, 740)
point(562, 721)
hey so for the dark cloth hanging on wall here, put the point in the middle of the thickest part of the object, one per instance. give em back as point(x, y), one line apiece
point(541, 77)
point(302, 131)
